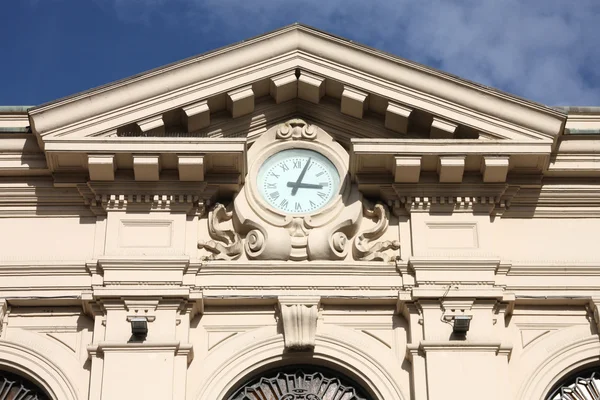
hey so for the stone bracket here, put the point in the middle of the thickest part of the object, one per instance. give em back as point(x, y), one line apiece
point(299, 320)
point(595, 309)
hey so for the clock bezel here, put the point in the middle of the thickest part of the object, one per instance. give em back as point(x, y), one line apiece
point(314, 218)
point(318, 157)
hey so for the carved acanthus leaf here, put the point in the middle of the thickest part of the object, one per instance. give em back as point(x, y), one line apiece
point(227, 244)
point(366, 246)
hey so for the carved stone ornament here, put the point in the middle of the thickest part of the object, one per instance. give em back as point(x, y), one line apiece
point(254, 229)
point(366, 246)
point(299, 321)
point(298, 385)
point(14, 387)
point(296, 129)
point(226, 244)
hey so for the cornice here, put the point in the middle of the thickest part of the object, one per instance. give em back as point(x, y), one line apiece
point(334, 268)
point(296, 40)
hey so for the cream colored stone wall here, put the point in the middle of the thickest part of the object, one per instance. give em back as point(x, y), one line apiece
point(232, 337)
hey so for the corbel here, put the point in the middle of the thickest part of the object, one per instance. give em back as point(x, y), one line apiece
point(240, 101)
point(299, 320)
point(102, 167)
point(594, 305)
point(145, 308)
point(191, 167)
point(4, 311)
point(154, 125)
point(407, 169)
point(146, 167)
point(494, 169)
point(442, 129)
point(454, 307)
point(284, 87)
point(311, 87)
point(354, 102)
point(451, 169)
point(196, 116)
point(396, 117)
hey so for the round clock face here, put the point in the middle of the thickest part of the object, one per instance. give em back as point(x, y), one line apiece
point(298, 181)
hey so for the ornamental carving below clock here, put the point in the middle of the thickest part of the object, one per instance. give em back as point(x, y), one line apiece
point(298, 204)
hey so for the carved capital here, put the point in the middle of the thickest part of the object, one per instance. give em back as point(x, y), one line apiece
point(299, 320)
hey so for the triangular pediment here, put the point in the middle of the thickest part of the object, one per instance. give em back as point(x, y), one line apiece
point(216, 103)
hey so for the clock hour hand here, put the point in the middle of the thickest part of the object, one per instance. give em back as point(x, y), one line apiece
point(296, 185)
point(304, 185)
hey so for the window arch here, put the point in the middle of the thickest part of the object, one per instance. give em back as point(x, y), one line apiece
point(296, 382)
point(582, 384)
point(16, 387)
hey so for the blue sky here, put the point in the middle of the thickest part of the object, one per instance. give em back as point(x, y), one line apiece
point(544, 50)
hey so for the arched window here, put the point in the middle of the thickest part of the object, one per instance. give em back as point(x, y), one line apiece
point(581, 385)
point(15, 387)
point(300, 382)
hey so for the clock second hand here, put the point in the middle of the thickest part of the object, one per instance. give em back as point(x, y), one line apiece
point(296, 185)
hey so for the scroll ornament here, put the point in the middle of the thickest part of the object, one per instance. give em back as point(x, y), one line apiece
point(296, 129)
point(227, 244)
point(366, 246)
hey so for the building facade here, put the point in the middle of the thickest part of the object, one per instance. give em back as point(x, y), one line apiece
point(299, 217)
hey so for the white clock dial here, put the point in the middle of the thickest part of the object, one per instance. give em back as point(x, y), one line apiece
point(298, 181)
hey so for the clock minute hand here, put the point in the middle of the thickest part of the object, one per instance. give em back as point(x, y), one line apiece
point(299, 180)
point(304, 185)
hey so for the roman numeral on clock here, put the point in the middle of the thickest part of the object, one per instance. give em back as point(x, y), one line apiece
point(320, 173)
point(284, 167)
point(297, 164)
point(312, 204)
point(271, 186)
point(322, 195)
point(274, 174)
point(298, 207)
point(274, 195)
point(283, 203)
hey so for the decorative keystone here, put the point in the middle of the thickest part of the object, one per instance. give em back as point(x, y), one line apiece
point(299, 320)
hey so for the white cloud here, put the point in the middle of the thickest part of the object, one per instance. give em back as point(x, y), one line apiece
point(544, 50)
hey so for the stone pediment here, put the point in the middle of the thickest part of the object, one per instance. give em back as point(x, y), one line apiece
point(396, 118)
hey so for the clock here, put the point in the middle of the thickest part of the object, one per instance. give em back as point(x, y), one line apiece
point(298, 181)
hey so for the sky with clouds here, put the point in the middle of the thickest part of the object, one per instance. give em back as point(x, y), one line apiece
point(544, 50)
